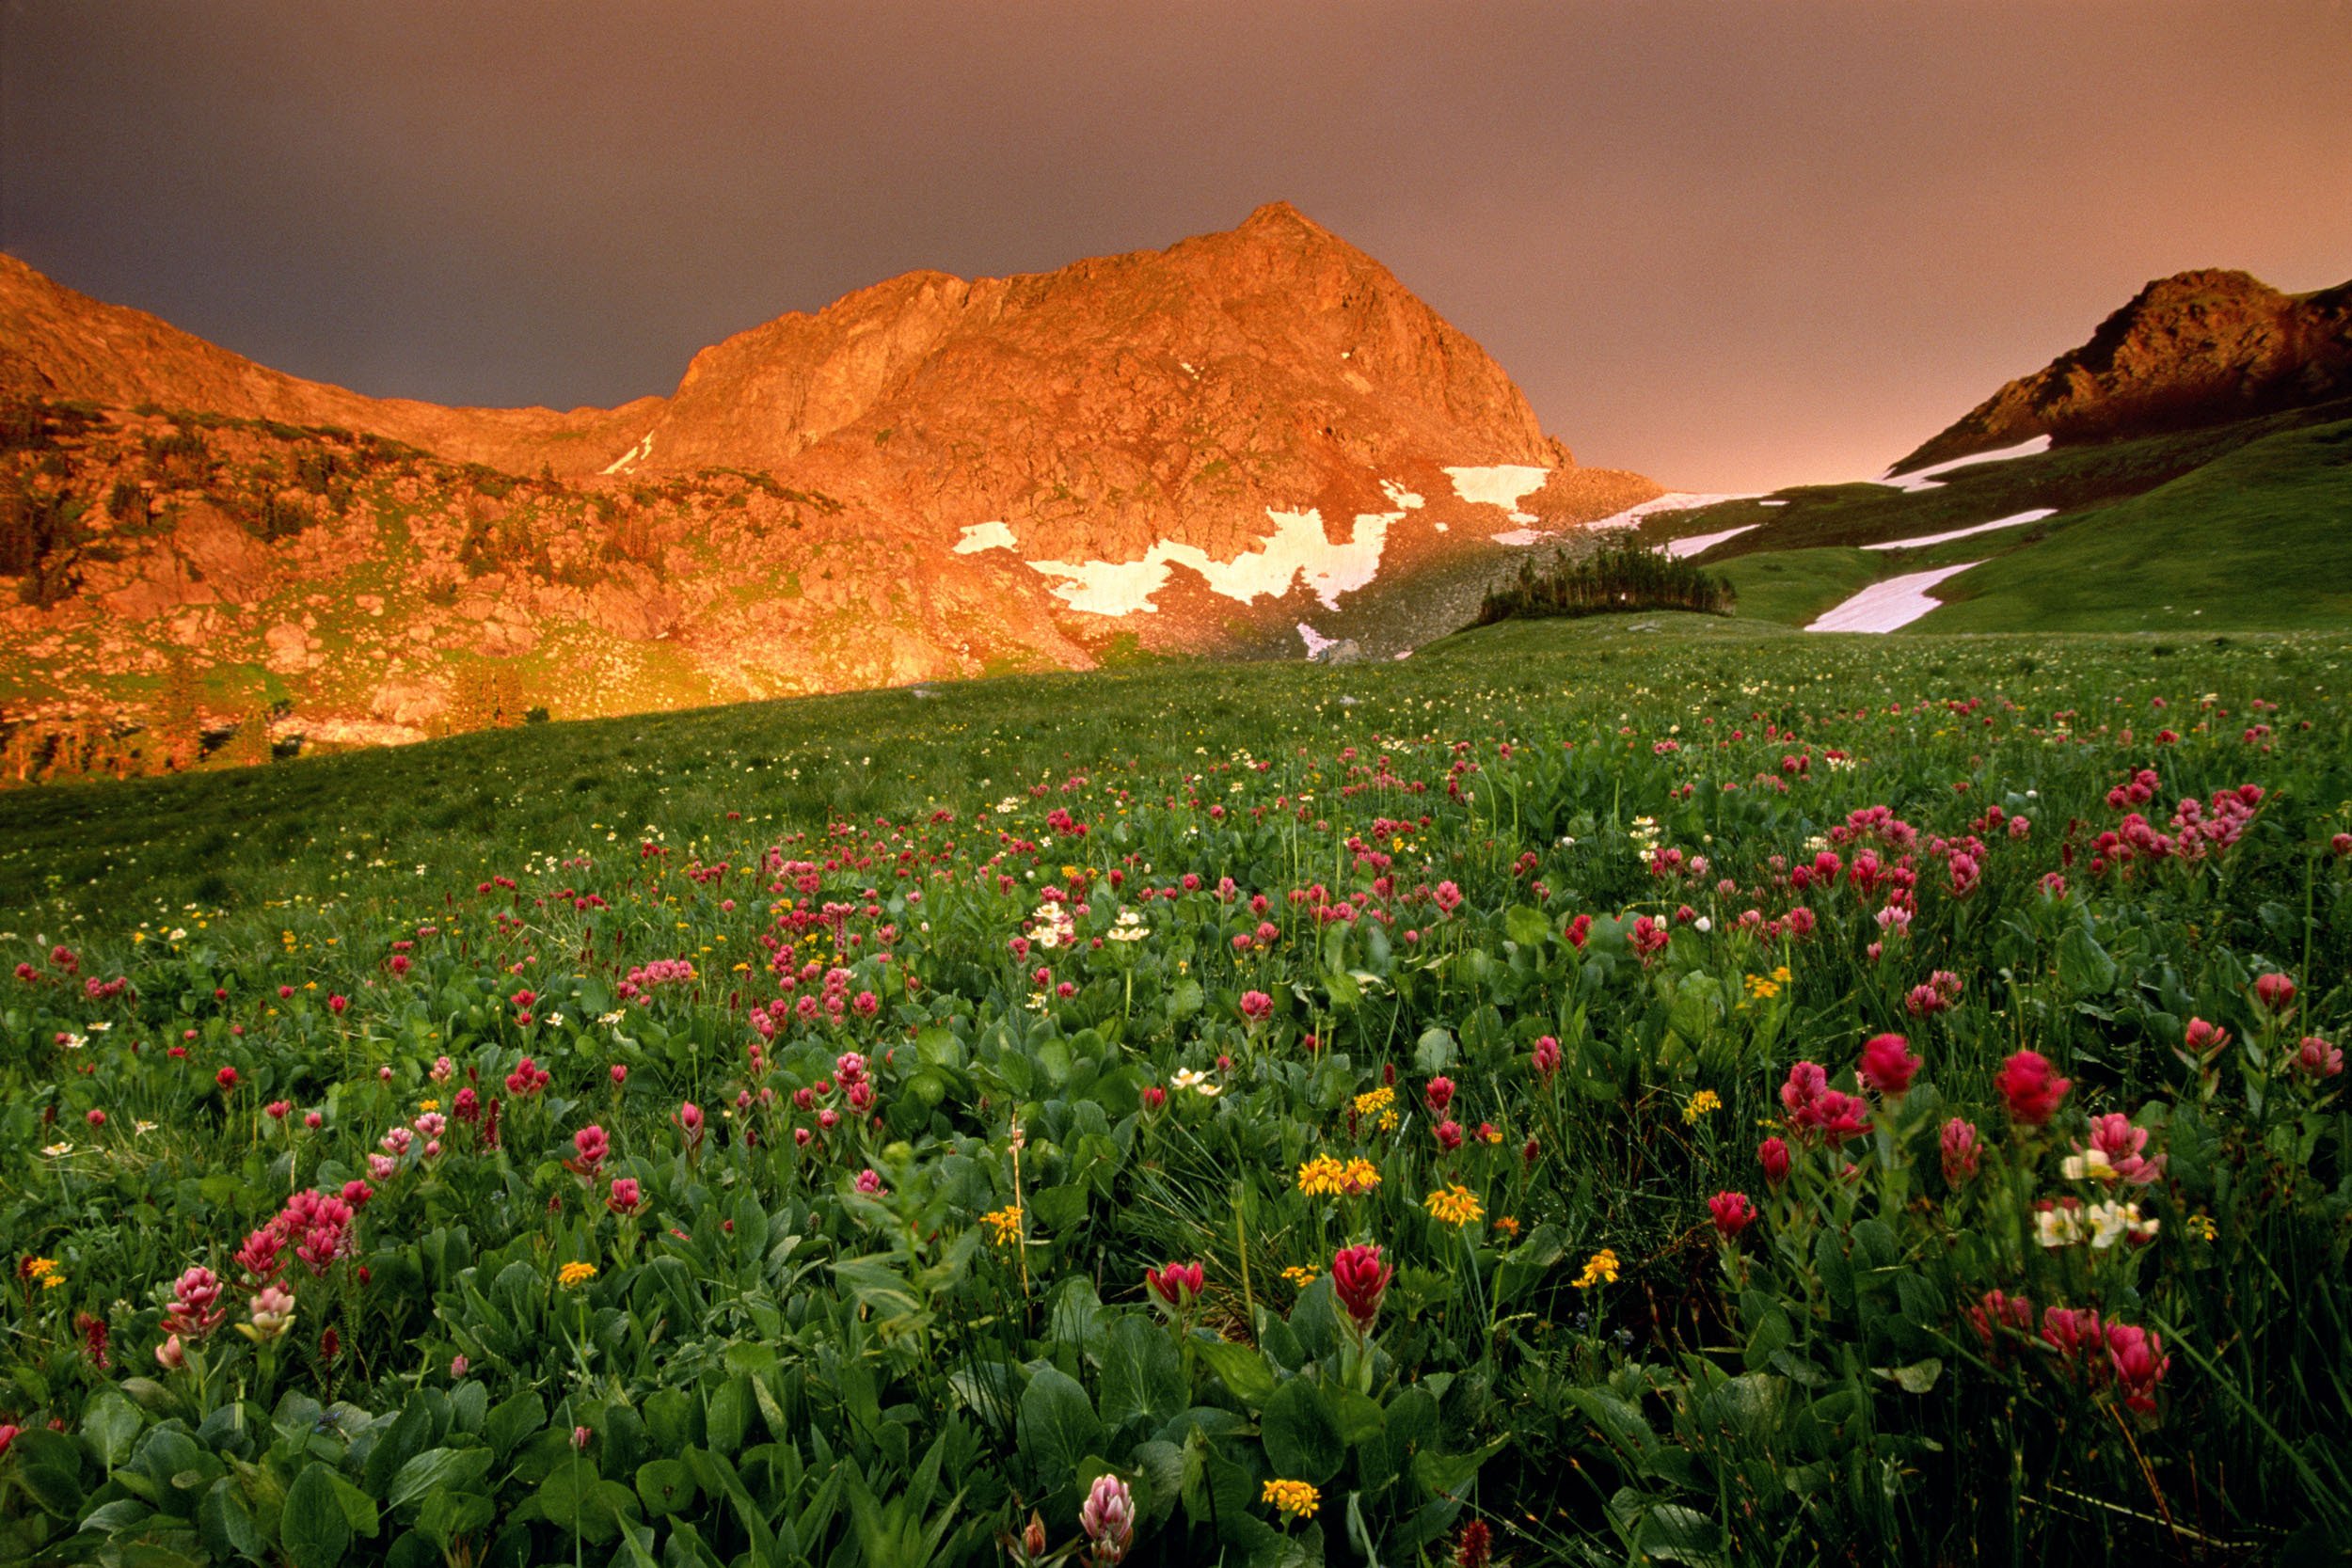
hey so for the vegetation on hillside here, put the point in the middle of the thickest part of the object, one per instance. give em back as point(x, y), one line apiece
point(1573, 1096)
point(1617, 580)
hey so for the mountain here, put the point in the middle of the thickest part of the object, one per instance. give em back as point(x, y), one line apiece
point(2195, 349)
point(1223, 446)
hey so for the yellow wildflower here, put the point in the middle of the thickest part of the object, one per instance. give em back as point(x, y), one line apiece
point(1699, 1104)
point(1323, 1177)
point(1601, 1268)
point(1006, 1222)
point(1372, 1101)
point(573, 1276)
point(428, 1104)
point(1359, 1176)
point(1457, 1206)
point(1301, 1276)
point(2204, 1228)
point(1507, 1226)
point(1294, 1497)
point(46, 1271)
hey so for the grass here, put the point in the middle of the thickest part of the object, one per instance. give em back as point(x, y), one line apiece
point(2261, 537)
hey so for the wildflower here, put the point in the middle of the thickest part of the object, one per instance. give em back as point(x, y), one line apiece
point(1372, 1101)
point(1438, 1094)
point(2114, 1154)
point(1600, 1268)
point(1544, 1058)
point(2111, 1222)
point(1294, 1498)
point(1700, 1105)
point(273, 1312)
point(689, 1121)
point(626, 1199)
point(196, 1308)
point(1888, 1067)
point(2137, 1359)
point(2032, 1087)
point(1359, 1280)
point(1006, 1223)
point(1456, 1205)
point(1108, 1518)
point(2058, 1224)
point(1199, 1083)
point(171, 1356)
point(1817, 1111)
point(226, 1079)
point(1732, 1211)
point(1475, 1549)
point(1256, 1006)
point(1323, 1177)
point(2316, 1059)
point(2275, 991)
point(1507, 1226)
point(1176, 1284)
point(1448, 1135)
point(2203, 1041)
point(1961, 1150)
point(1300, 1276)
point(44, 1272)
point(869, 1184)
point(571, 1276)
point(590, 1145)
point(1772, 1155)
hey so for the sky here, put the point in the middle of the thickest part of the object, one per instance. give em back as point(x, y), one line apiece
point(1731, 245)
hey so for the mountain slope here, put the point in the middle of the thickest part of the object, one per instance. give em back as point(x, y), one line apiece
point(2197, 348)
point(1221, 446)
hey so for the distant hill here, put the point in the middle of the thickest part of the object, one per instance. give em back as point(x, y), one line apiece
point(2195, 349)
point(1225, 445)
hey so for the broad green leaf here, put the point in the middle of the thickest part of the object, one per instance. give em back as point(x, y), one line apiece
point(314, 1528)
point(1302, 1440)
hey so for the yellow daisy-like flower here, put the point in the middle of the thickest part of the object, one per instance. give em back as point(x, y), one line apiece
point(1781, 975)
point(428, 1104)
point(1358, 1176)
point(1323, 1177)
point(1457, 1206)
point(1507, 1226)
point(1600, 1268)
point(46, 1271)
point(1295, 1498)
point(1699, 1104)
point(1373, 1101)
point(2204, 1228)
point(573, 1276)
point(1301, 1276)
point(1387, 1121)
point(1006, 1223)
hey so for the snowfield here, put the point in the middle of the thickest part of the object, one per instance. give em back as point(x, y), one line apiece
point(1504, 485)
point(2013, 521)
point(1672, 500)
point(1677, 550)
point(1925, 479)
point(1296, 549)
point(1896, 602)
point(985, 537)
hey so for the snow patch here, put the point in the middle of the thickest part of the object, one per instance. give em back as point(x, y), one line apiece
point(1896, 602)
point(1517, 537)
point(1678, 548)
point(1504, 485)
point(1315, 640)
point(2033, 516)
point(1772, 503)
point(1925, 479)
point(1297, 549)
point(986, 536)
point(630, 458)
point(1672, 500)
point(1400, 497)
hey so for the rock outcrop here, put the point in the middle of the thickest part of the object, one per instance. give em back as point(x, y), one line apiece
point(2197, 348)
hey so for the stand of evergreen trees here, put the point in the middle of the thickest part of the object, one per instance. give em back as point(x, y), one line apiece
point(1621, 578)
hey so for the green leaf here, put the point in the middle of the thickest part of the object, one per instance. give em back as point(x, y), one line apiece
point(1434, 1050)
point(225, 1524)
point(1920, 1377)
point(439, 1470)
point(111, 1423)
point(2084, 966)
point(1525, 925)
point(1302, 1441)
point(1673, 1533)
point(666, 1487)
point(1143, 1377)
point(447, 1515)
point(1243, 1369)
point(512, 1421)
point(1057, 1426)
point(1771, 1336)
point(313, 1529)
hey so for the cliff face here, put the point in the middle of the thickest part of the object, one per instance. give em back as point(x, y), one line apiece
point(2194, 349)
point(1186, 450)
